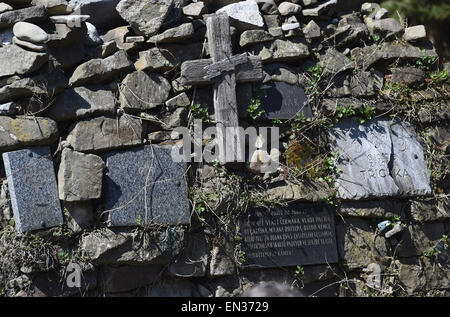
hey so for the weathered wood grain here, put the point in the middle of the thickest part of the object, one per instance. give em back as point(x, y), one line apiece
point(194, 73)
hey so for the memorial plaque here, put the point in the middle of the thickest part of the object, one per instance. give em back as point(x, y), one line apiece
point(33, 189)
point(378, 159)
point(301, 234)
point(280, 100)
point(145, 185)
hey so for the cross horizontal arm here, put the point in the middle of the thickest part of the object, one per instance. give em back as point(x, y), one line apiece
point(225, 65)
point(194, 73)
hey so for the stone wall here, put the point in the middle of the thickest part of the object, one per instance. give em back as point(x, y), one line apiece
point(87, 86)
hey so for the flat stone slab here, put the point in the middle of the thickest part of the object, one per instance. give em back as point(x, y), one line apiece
point(380, 158)
point(144, 185)
point(301, 234)
point(33, 189)
point(284, 101)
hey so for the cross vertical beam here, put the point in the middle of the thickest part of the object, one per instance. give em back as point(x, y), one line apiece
point(225, 104)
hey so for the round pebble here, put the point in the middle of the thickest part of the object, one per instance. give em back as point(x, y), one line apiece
point(29, 32)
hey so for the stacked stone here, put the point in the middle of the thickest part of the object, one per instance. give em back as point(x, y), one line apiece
point(91, 77)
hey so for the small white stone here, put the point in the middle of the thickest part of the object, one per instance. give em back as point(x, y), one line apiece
point(382, 13)
point(415, 33)
point(29, 46)
point(29, 32)
point(290, 26)
point(5, 7)
point(288, 8)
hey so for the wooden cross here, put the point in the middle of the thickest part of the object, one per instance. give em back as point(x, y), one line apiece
point(223, 70)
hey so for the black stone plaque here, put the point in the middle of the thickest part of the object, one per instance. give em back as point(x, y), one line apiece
point(280, 100)
point(301, 234)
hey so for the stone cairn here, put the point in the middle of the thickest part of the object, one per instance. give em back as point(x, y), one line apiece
point(87, 85)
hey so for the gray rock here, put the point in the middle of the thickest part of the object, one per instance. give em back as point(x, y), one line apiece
point(29, 46)
point(151, 191)
point(267, 6)
point(106, 246)
point(174, 35)
point(282, 50)
point(254, 36)
point(80, 176)
point(141, 91)
point(177, 118)
point(22, 132)
point(31, 14)
point(101, 70)
point(288, 8)
point(369, 8)
point(430, 209)
point(105, 50)
point(193, 258)
point(5, 7)
point(159, 136)
point(272, 20)
point(335, 62)
point(181, 100)
point(81, 102)
point(155, 59)
point(25, 61)
point(362, 84)
point(221, 263)
point(102, 133)
point(415, 33)
point(311, 30)
point(380, 14)
point(54, 7)
point(46, 84)
point(29, 32)
point(93, 39)
point(407, 76)
point(374, 160)
point(384, 28)
point(376, 209)
point(66, 46)
point(244, 14)
point(78, 215)
point(320, 9)
point(369, 55)
point(33, 190)
point(357, 246)
point(350, 30)
point(119, 36)
point(196, 9)
point(145, 17)
point(289, 192)
point(282, 73)
point(102, 12)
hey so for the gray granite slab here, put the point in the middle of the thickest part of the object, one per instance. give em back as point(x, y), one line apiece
point(379, 158)
point(301, 234)
point(33, 189)
point(144, 185)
